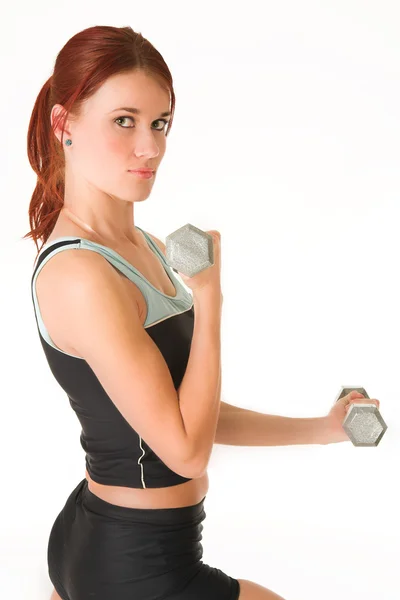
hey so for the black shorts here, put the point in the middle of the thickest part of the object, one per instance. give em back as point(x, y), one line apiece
point(102, 551)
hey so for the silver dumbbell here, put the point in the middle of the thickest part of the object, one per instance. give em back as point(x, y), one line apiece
point(189, 250)
point(363, 423)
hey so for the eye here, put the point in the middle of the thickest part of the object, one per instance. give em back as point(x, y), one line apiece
point(132, 119)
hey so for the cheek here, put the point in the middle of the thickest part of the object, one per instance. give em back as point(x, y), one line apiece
point(114, 145)
point(110, 153)
point(111, 143)
point(104, 159)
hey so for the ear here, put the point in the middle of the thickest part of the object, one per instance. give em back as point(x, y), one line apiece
point(56, 117)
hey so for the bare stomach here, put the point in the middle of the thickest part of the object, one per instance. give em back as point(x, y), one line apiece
point(185, 494)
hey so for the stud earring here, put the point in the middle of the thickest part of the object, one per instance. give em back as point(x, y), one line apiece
point(68, 142)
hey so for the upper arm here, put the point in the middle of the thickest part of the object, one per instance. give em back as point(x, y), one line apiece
point(100, 320)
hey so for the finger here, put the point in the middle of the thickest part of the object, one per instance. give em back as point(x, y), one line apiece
point(366, 401)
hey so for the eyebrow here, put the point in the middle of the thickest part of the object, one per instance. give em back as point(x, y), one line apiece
point(136, 111)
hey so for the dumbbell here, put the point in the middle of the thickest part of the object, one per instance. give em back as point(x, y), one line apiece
point(363, 423)
point(189, 250)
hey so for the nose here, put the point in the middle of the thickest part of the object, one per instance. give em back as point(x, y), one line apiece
point(146, 145)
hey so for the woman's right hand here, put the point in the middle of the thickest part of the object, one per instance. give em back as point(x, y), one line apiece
point(208, 281)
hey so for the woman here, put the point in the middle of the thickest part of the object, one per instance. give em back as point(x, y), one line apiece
point(119, 333)
point(136, 353)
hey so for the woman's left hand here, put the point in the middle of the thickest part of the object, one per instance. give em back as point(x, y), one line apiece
point(338, 413)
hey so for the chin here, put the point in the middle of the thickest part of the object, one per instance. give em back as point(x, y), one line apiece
point(137, 198)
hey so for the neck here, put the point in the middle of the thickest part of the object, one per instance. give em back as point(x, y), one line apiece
point(79, 222)
point(75, 219)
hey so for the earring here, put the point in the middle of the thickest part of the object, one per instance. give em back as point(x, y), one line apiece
point(68, 142)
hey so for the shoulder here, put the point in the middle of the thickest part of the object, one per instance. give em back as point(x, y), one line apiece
point(72, 275)
point(67, 285)
point(159, 243)
point(75, 272)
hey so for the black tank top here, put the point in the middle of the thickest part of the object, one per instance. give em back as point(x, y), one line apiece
point(115, 454)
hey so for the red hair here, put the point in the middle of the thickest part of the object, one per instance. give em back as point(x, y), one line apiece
point(81, 67)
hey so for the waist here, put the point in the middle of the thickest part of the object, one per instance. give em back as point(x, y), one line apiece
point(177, 496)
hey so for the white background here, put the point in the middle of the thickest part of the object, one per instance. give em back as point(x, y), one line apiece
point(286, 140)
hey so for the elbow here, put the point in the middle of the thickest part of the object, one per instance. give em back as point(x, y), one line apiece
point(194, 468)
point(198, 470)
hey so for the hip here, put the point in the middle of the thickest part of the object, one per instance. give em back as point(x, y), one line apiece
point(104, 550)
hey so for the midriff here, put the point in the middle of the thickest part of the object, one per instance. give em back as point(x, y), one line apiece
point(184, 494)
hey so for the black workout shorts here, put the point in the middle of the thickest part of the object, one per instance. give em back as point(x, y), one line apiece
point(102, 551)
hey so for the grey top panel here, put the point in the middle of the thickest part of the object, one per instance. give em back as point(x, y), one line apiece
point(160, 306)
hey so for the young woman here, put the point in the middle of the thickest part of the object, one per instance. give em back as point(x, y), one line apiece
point(136, 353)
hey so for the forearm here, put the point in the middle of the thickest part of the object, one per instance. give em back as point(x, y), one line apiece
point(198, 393)
point(241, 427)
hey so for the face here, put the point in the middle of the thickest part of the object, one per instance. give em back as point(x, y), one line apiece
point(108, 142)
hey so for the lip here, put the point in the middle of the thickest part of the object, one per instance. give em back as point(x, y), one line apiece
point(143, 174)
point(141, 170)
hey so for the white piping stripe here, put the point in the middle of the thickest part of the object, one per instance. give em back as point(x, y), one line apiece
point(139, 463)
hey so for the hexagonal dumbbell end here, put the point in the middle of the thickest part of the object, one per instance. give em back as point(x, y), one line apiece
point(363, 423)
point(189, 250)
